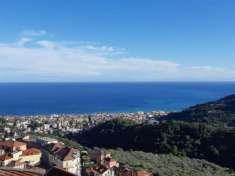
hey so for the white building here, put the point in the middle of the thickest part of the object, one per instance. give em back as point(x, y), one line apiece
point(46, 140)
point(66, 158)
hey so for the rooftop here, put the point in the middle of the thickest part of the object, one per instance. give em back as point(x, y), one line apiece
point(5, 157)
point(11, 143)
point(100, 169)
point(66, 153)
point(143, 173)
point(55, 171)
point(16, 172)
point(31, 151)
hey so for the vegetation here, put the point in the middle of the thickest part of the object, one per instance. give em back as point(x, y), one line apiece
point(196, 140)
point(217, 112)
point(204, 131)
point(169, 165)
point(2, 122)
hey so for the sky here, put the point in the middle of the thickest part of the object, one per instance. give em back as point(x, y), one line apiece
point(117, 40)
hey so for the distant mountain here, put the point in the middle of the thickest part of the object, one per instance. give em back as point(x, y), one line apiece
point(222, 110)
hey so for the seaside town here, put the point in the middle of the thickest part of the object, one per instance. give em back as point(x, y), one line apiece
point(34, 145)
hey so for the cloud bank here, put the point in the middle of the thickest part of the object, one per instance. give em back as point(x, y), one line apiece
point(32, 60)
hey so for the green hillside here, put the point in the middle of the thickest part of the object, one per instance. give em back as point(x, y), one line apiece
point(169, 165)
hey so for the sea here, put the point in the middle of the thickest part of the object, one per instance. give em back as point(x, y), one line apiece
point(80, 98)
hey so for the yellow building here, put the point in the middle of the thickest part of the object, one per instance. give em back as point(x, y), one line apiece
point(17, 155)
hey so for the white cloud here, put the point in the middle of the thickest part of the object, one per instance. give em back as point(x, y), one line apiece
point(46, 44)
point(23, 41)
point(46, 60)
point(33, 33)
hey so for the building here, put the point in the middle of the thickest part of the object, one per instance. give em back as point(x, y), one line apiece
point(46, 140)
point(98, 155)
point(65, 158)
point(143, 173)
point(125, 170)
point(105, 165)
point(17, 155)
point(101, 170)
point(55, 171)
point(12, 146)
point(110, 163)
point(16, 172)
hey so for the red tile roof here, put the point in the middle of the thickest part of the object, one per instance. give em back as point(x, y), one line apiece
point(66, 153)
point(15, 172)
point(11, 144)
point(31, 151)
point(143, 173)
point(100, 169)
point(5, 157)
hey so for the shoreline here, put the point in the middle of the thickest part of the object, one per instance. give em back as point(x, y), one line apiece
point(72, 115)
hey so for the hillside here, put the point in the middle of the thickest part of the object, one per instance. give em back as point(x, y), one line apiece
point(169, 165)
point(201, 131)
point(194, 140)
point(222, 110)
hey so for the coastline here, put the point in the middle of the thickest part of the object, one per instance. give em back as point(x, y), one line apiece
point(156, 112)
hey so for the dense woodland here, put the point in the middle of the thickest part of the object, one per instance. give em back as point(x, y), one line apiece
point(220, 111)
point(201, 135)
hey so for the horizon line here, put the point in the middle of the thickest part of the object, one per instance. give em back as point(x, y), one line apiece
point(64, 82)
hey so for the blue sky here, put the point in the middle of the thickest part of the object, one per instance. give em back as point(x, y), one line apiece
point(124, 40)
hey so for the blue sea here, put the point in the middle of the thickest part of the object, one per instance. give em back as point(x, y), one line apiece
point(61, 98)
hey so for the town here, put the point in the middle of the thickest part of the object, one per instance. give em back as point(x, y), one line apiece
point(34, 145)
point(62, 124)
